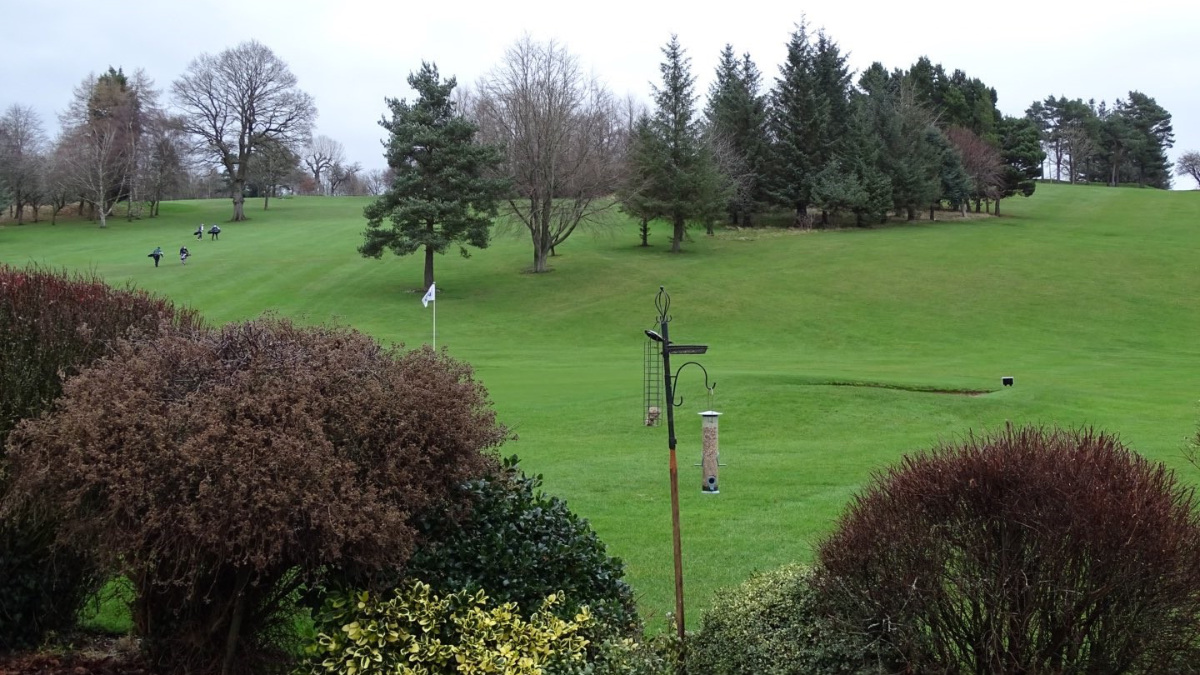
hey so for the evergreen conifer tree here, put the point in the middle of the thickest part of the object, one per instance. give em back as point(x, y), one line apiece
point(796, 120)
point(736, 123)
point(441, 193)
point(685, 183)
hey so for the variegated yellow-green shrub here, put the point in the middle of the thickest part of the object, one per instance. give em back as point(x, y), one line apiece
point(416, 632)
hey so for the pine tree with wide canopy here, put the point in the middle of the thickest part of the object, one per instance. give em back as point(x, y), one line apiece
point(442, 193)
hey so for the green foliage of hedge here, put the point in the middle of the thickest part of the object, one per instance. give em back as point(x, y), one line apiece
point(522, 545)
point(417, 632)
point(52, 324)
point(773, 624)
point(659, 655)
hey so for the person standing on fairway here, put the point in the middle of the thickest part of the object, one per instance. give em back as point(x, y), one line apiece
point(183, 255)
point(157, 254)
point(215, 231)
point(199, 232)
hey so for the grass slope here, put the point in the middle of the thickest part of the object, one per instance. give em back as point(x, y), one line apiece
point(1085, 295)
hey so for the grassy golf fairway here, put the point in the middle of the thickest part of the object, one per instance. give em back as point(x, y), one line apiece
point(1085, 295)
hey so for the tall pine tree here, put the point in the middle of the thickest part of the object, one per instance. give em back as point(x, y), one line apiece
point(684, 182)
point(797, 119)
point(440, 194)
point(736, 125)
point(831, 77)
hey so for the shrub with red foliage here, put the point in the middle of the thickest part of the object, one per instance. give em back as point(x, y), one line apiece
point(223, 470)
point(52, 324)
point(1023, 551)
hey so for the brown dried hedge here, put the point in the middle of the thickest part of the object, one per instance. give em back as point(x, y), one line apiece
point(52, 324)
point(1023, 551)
point(223, 470)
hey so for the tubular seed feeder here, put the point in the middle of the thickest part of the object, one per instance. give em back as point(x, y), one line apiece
point(710, 459)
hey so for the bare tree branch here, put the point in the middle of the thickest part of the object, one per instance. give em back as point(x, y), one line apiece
point(563, 140)
point(236, 99)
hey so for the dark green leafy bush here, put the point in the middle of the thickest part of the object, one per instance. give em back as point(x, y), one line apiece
point(1023, 551)
point(52, 324)
point(521, 545)
point(657, 655)
point(223, 471)
point(775, 624)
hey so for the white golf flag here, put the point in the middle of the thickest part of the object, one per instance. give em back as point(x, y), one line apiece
point(428, 296)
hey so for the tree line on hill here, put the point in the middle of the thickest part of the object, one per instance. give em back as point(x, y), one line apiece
point(817, 141)
point(815, 145)
point(1096, 143)
point(238, 126)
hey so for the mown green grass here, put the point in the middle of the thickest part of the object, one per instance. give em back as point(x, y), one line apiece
point(1086, 295)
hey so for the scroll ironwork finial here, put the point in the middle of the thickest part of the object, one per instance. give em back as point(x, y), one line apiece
point(662, 302)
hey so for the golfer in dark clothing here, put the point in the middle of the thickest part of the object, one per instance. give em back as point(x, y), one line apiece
point(199, 231)
point(157, 254)
point(215, 232)
point(183, 255)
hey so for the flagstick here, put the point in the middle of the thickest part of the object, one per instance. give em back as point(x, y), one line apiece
point(434, 301)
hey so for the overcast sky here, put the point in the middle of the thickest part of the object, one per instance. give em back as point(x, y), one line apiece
point(351, 54)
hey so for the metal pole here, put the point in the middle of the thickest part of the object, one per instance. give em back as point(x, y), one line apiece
point(675, 537)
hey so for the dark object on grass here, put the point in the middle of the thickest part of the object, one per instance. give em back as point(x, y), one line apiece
point(1007, 380)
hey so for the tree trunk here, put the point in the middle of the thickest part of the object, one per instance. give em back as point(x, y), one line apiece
point(645, 232)
point(801, 212)
point(677, 236)
point(266, 199)
point(708, 228)
point(235, 622)
point(428, 256)
point(239, 200)
point(912, 213)
point(931, 212)
point(997, 207)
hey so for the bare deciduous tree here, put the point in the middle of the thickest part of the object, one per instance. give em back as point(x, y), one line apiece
point(981, 161)
point(165, 154)
point(274, 164)
point(562, 133)
point(376, 181)
point(103, 129)
point(96, 127)
point(343, 176)
point(1189, 165)
point(322, 154)
point(22, 143)
point(238, 98)
point(60, 188)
